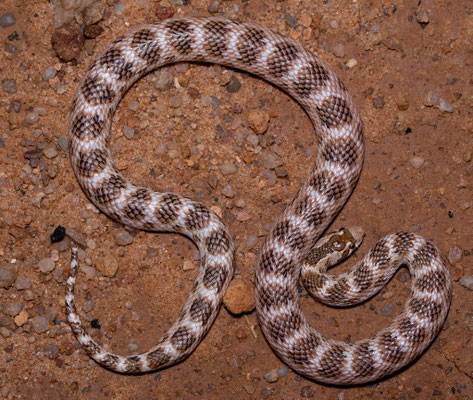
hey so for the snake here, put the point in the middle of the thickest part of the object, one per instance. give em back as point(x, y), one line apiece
point(288, 254)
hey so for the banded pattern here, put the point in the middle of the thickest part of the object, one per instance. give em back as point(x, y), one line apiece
point(288, 65)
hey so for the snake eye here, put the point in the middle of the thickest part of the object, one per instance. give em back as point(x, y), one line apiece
point(336, 243)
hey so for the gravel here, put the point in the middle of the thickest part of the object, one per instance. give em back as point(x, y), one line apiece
point(9, 86)
point(387, 310)
point(40, 324)
point(22, 283)
point(455, 255)
point(123, 238)
point(213, 7)
point(467, 281)
point(46, 265)
point(271, 376)
point(49, 73)
point(228, 169)
point(7, 276)
point(417, 162)
point(7, 20)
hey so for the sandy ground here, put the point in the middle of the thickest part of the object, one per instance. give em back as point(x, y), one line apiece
point(408, 64)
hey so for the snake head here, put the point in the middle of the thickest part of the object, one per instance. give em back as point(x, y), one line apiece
point(335, 247)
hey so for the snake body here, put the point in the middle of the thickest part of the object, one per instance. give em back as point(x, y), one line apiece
point(338, 164)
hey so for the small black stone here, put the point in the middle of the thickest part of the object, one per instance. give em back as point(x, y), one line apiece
point(95, 324)
point(58, 234)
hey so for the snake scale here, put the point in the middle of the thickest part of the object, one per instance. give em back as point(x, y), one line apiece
point(338, 164)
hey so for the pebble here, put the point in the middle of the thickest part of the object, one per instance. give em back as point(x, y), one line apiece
point(213, 181)
point(51, 350)
point(251, 241)
point(416, 162)
point(228, 169)
point(215, 101)
point(249, 388)
point(7, 275)
point(9, 86)
point(258, 121)
point(271, 376)
point(40, 324)
point(68, 42)
point(128, 132)
point(89, 306)
point(445, 106)
point(94, 13)
point(108, 265)
point(164, 81)
point(283, 371)
point(46, 265)
point(21, 318)
point(467, 281)
point(402, 104)
point(431, 99)
point(123, 238)
point(351, 63)
point(307, 392)
point(270, 160)
point(239, 297)
point(118, 8)
point(92, 31)
point(455, 255)
point(387, 309)
point(12, 309)
point(228, 191)
point(77, 237)
point(290, 20)
point(50, 151)
point(188, 265)
point(5, 333)
point(134, 105)
point(214, 6)
point(7, 20)
point(339, 50)
point(22, 283)
point(378, 102)
point(63, 143)
point(422, 17)
point(89, 272)
point(333, 24)
point(280, 172)
point(234, 85)
point(163, 12)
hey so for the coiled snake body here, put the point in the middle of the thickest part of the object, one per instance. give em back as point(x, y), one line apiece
point(338, 163)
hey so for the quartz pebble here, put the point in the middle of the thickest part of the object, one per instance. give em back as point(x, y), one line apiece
point(455, 255)
point(417, 162)
point(445, 106)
